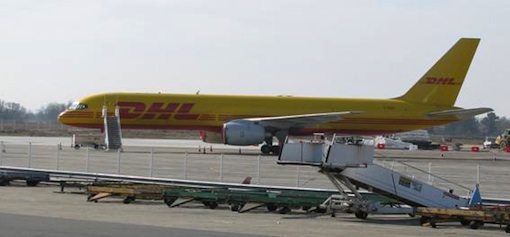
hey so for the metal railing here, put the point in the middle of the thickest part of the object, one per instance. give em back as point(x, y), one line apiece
point(164, 162)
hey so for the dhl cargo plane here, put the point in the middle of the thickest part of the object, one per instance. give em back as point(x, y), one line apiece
point(253, 120)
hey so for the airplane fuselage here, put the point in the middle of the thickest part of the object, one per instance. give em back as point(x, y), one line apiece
point(250, 120)
point(210, 112)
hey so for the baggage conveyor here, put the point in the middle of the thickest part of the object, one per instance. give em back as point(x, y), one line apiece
point(349, 165)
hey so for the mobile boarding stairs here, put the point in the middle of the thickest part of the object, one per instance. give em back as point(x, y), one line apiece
point(112, 129)
point(110, 140)
point(349, 165)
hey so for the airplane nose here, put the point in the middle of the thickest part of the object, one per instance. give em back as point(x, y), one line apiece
point(60, 117)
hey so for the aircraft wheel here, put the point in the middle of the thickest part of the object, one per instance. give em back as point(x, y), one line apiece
point(265, 149)
point(507, 229)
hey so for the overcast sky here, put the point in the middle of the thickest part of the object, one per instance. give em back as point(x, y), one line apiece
point(58, 51)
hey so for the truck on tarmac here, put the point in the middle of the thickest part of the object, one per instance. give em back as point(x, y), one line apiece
point(420, 138)
point(97, 141)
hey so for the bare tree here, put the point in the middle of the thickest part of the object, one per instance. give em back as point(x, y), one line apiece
point(50, 112)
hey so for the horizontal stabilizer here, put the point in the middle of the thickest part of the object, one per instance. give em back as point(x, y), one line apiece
point(302, 120)
point(460, 113)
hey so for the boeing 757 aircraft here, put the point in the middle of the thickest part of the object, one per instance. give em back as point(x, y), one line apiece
point(253, 120)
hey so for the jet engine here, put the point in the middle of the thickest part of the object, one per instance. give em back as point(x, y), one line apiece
point(242, 132)
point(211, 137)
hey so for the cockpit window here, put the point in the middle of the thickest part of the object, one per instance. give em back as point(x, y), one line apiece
point(77, 106)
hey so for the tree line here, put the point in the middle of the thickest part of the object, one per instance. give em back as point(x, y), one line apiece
point(489, 125)
point(11, 111)
point(478, 127)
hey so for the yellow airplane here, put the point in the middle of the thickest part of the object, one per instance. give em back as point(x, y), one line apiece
point(253, 120)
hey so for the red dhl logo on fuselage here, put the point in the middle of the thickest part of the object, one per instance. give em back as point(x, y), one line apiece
point(440, 81)
point(156, 110)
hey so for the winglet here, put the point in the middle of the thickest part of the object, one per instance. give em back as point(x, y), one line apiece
point(442, 83)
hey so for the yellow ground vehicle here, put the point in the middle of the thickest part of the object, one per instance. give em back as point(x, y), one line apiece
point(504, 139)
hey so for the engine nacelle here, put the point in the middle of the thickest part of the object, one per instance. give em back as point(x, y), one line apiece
point(211, 137)
point(243, 133)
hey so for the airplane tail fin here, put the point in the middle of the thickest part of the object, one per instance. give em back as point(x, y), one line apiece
point(442, 82)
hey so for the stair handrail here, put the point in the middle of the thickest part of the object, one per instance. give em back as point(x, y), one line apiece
point(105, 126)
point(117, 116)
point(436, 176)
point(448, 183)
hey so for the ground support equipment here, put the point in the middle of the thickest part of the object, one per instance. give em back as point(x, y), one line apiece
point(349, 165)
point(130, 192)
point(474, 217)
point(32, 178)
point(243, 200)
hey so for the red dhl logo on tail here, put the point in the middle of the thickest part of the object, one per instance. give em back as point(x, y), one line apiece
point(440, 81)
point(157, 110)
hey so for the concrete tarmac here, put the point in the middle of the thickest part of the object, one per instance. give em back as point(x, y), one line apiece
point(43, 211)
point(37, 207)
point(28, 226)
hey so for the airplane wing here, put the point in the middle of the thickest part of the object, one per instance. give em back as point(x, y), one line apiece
point(302, 120)
point(460, 113)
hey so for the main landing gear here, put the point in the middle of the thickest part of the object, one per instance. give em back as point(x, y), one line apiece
point(266, 149)
point(269, 148)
